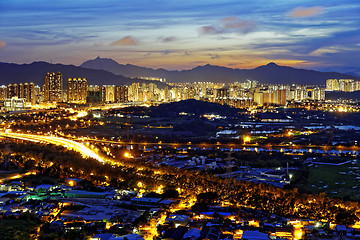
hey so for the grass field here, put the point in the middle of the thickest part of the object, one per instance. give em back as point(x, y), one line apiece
point(335, 181)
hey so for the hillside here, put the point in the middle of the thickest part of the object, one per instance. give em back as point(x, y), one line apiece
point(192, 107)
point(343, 95)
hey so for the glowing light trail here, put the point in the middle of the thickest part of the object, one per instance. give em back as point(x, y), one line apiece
point(70, 144)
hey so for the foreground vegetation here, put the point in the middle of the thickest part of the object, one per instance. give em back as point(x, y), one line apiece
point(60, 163)
point(18, 229)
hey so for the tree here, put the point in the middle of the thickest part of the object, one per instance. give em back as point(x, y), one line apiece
point(207, 198)
point(199, 207)
point(346, 218)
point(171, 193)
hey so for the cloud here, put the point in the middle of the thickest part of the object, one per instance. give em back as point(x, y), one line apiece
point(332, 49)
point(300, 12)
point(237, 23)
point(228, 25)
point(323, 51)
point(125, 41)
point(214, 56)
point(205, 30)
point(167, 39)
point(2, 44)
point(166, 52)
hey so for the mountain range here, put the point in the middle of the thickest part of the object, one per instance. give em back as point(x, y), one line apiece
point(269, 74)
point(104, 71)
point(36, 72)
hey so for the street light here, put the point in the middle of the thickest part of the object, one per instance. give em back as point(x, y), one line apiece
point(246, 139)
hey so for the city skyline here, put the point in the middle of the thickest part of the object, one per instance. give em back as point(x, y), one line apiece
point(183, 120)
point(322, 35)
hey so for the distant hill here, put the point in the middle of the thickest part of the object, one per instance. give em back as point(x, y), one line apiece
point(268, 74)
point(127, 70)
point(192, 106)
point(353, 74)
point(36, 72)
point(333, 95)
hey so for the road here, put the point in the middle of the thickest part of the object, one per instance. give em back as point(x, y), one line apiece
point(17, 176)
point(70, 144)
point(87, 152)
point(232, 146)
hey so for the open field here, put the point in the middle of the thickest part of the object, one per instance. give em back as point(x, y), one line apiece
point(335, 181)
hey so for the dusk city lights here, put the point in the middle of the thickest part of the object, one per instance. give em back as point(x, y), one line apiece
point(179, 120)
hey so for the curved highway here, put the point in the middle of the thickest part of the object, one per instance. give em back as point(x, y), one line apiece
point(70, 144)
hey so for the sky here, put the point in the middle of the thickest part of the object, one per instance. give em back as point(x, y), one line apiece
point(173, 34)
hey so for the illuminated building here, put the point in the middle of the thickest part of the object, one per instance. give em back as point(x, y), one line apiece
point(21, 90)
point(222, 93)
point(175, 94)
point(166, 94)
point(38, 94)
point(291, 95)
point(29, 93)
point(269, 97)
point(259, 98)
point(24, 91)
point(264, 96)
point(94, 94)
point(121, 94)
point(345, 85)
point(332, 85)
point(142, 96)
point(152, 87)
point(3, 90)
point(53, 87)
point(10, 91)
point(191, 93)
point(76, 90)
point(14, 104)
point(134, 92)
point(240, 102)
point(153, 79)
point(108, 93)
point(300, 93)
point(250, 84)
point(316, 94)
point(281, 97)
point(203, 89)
point(357, 86)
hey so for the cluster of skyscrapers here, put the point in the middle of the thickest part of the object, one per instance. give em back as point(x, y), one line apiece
point(248, 94)
point(76, 90)
point(22, 95)
point(18, 96)
point(53, 89)
point(241, 95)
point(26, 91)
point(345, 85)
